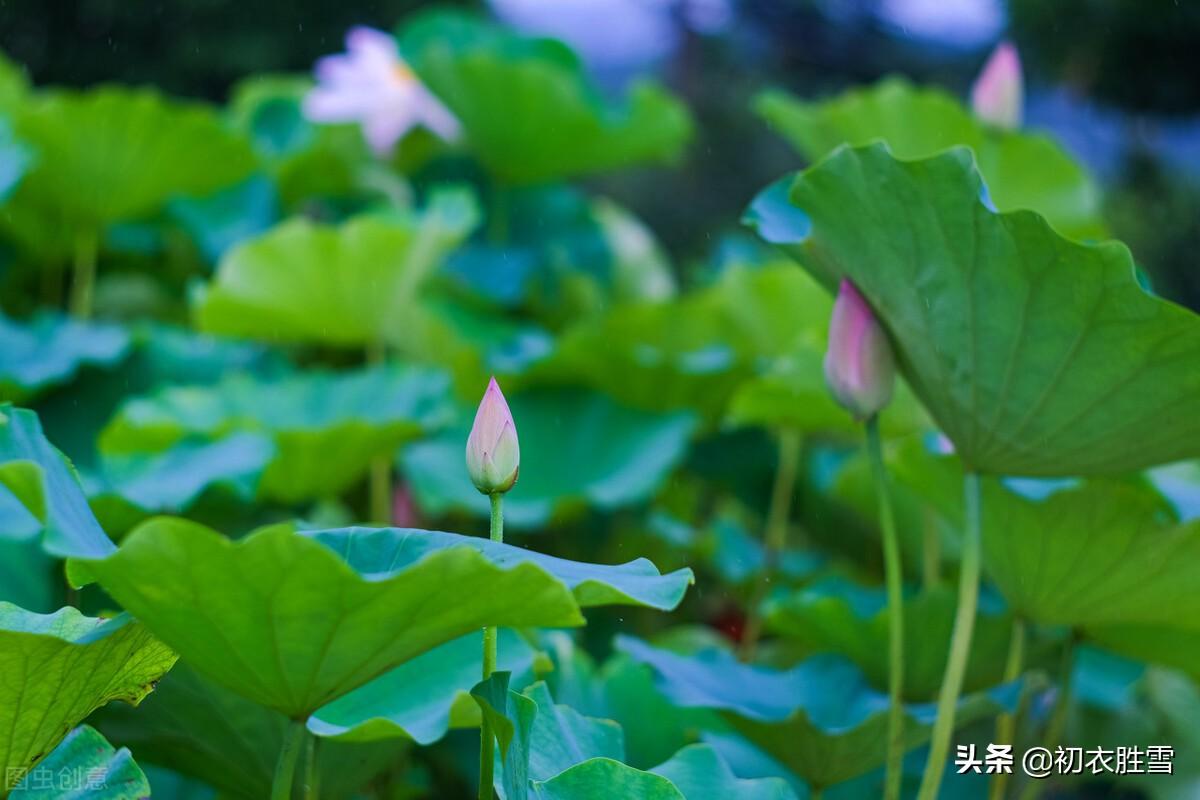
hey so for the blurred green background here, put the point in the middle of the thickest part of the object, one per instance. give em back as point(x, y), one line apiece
point(1115, 80)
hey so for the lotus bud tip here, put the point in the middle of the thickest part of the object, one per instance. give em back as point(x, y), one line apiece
point(859, 365)
point(493, 452)
point(998, 93)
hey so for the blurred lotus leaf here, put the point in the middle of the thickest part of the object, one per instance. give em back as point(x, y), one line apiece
point(51, 348)
point(1021, 170)
point(15, 157)
point(113, 154)
point(695, 351)
point(562, 255)
point(199, 729)
point(527, 109)
point(304, 160)
point(353, 285)
point(326, 427)
point(578, 448)
point(821, 719)
point(835, 616)
point(1068, 553)
point(1036, 355)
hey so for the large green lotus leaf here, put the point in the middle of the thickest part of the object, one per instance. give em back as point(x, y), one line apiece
point(257, 615)
point(354, 284)
point(1099, 554)
point(40, 479)
point(838, 617)
point(425, 697)
point(821, 719)
point(637, 582)
point(50, 349)
point(113, 154)
point(1022, 170)
point(700, 773)
point(199, 729)
point(527, 109)
point(578, 449)
point(1036, 355)
point(56, 669)
point(84, 766)
point(695, 350)
point(326, 427)
point(1103, 552)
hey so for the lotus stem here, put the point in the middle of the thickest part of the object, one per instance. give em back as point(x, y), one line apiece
point(774, 537)
point(960, 642)
point(83, 283)
point(486, 735)
point(931, 551)
point(1006, 724)
point(312, 774)
point(894, 576)
point(1058, 718)
point(1062, 704)
point(379, 486)
point(285, 768)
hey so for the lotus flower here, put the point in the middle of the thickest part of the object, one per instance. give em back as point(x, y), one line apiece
point(859, 366)
point(372, 85)
point(493, 453)
point(998, 93)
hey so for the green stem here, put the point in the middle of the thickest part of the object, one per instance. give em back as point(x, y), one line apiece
point(379, 486)
point(312, 774)
point(285, 768)
point(1062, 704)
point(895, 593)
point(83, 284)
point(486, 735)
point(960, 643)
point(931, 551)
point(1006, 724)
point(774, 537)
point(1058, 718)
point(815, 793)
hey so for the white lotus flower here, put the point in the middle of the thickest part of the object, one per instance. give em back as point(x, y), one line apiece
point(372, 85)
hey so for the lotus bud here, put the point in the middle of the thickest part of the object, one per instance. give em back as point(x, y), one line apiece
point(493, 453)
point(998, 93)
point(859, 366)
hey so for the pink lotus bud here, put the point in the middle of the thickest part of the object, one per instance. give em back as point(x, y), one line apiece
point(493, 453)
point(998, 93)
point(859, 367)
